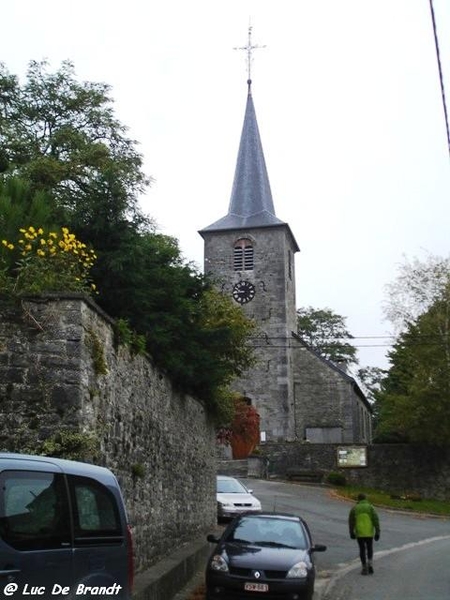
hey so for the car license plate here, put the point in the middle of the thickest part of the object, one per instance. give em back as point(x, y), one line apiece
point(256, 587)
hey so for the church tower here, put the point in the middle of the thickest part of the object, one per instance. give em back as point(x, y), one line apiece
point(250, 254)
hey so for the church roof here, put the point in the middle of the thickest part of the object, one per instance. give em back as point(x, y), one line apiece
point(251, 203)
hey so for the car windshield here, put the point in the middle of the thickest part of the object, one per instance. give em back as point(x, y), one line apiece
point(269, 531)
point(230, 486)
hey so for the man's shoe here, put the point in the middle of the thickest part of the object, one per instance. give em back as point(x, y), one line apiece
point(370, 570)
point(364, 570)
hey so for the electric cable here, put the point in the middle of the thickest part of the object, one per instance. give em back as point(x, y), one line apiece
point(441, 78)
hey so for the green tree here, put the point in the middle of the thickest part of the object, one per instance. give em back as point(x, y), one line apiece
point(414, 401)
point(20, 207)
point(326, 332)
point(84, 173)
point(62, 136)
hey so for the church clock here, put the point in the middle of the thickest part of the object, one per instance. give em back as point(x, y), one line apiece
point(243, 292)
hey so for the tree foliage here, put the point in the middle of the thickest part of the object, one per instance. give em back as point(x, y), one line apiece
point(414, 401)
point(242, 431)
point(66, 161)
point(61, 136)
point(326, 332)
point(419, 283)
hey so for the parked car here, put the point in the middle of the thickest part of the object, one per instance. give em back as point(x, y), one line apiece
point(63, 529)
point(233, 498)
point(269, 555)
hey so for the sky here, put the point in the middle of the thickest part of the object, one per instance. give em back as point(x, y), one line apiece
point(349, 109)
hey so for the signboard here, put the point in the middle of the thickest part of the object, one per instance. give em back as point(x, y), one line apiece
point(352, 456)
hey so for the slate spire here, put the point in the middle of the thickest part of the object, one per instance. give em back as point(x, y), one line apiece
point(251, 203)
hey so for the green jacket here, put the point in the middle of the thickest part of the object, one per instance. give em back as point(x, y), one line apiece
point(363, 520)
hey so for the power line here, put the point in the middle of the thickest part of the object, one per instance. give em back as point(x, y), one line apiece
point(441, 78)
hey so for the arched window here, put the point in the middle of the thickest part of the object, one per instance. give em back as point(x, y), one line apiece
point(243, 255)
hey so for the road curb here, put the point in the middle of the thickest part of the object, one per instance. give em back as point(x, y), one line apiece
point(167, 577)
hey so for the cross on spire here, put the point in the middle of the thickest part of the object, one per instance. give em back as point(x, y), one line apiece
point(249, 48)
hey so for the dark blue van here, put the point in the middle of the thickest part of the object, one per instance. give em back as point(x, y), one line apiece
point(63, 530)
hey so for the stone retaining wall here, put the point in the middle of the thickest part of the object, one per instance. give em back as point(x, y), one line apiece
point(399, 468)
point(62, 371)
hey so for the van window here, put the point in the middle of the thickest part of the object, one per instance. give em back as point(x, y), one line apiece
point(95, 507)
point(34, 511)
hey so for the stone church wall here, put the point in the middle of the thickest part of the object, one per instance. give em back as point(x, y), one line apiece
point(325, 399)
point(268, 383)
point(61, 370)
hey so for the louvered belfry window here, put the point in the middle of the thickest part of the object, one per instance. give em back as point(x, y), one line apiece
point(243, 255)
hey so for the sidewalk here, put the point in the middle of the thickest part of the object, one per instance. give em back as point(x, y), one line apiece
point(197, 580)
point(165, 580)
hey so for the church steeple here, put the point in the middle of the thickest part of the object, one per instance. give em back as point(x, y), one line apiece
point(249, 255)
point(251, 203)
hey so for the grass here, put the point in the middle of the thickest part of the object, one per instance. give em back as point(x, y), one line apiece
point(400, 501)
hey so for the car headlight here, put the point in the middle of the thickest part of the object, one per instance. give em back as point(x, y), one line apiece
point(224, 504)
point(218, 563)
point(299, 570)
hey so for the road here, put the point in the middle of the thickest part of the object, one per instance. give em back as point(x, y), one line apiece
point(411, 558)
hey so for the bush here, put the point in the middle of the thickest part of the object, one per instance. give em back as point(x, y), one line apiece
point(336, 478)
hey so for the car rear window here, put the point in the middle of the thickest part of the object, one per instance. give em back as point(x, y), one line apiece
point(96, 515)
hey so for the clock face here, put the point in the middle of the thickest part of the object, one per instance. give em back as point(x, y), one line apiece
point(243, 292)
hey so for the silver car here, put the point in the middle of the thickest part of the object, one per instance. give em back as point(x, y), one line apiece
point(233, 498)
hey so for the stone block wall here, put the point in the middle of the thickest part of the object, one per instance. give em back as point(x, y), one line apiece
point(62, 371)
point(268, 384)
point(398, 468)
point(326, 399)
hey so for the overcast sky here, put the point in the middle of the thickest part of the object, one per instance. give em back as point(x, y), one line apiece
point(348, 104)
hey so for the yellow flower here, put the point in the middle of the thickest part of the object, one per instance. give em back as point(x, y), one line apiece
point(40, 231)
point(52, 234)
point(43, 242)
point(40, 252)
point(4, 242)
point(10, 247)
point(31, 229)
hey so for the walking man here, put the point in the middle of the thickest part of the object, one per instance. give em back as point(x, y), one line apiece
point(364, 526)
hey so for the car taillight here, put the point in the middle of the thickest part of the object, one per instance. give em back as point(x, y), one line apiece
point(130, 559)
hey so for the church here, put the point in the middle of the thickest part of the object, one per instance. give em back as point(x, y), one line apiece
point(250, 253)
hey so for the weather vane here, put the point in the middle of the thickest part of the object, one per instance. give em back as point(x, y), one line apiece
point(249, 48)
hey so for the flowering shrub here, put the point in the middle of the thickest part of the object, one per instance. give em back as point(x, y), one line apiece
point(51, 262)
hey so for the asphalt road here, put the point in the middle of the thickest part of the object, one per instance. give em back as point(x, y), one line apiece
point(411, 558)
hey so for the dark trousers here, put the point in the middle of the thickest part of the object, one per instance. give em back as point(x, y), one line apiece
point(365, 548)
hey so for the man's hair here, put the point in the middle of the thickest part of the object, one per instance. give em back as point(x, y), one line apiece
point(361, 496)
